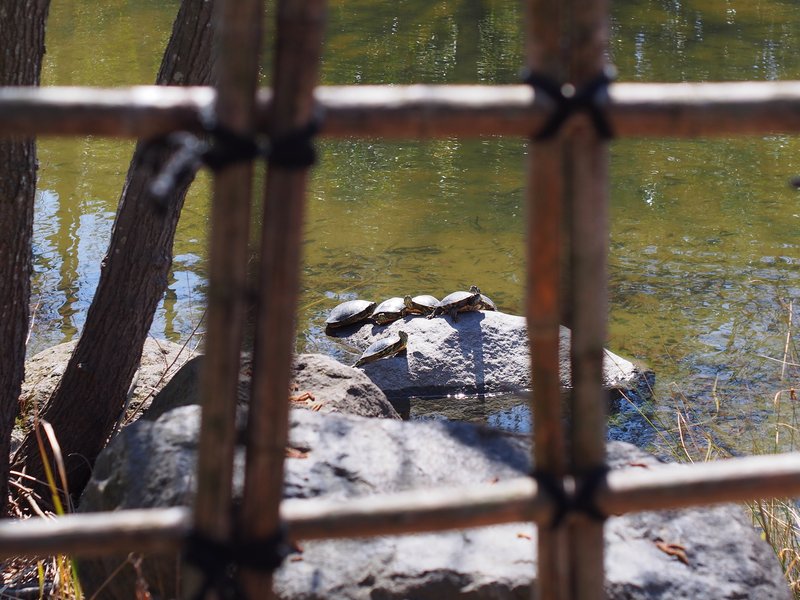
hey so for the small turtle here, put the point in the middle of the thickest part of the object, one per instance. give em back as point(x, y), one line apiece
point(384, 348)
point(348, 313)
point(487, 304)
point(420, 305)
point(458, 302)
point(388, 311)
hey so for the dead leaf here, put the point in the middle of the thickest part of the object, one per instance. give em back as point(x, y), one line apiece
point(304, 397)
point(676, 550)
point(296, 452)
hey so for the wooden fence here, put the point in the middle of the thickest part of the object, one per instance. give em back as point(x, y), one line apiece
point(568, 174)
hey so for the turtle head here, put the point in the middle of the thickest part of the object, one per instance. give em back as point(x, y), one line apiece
point(403, 336)
point(474, 289)
point(407, 301)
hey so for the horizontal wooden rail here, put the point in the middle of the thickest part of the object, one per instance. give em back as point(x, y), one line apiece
point(681, 110)
point(516, 500)
point(418, 511)
point(676, 486)
point(97, 534)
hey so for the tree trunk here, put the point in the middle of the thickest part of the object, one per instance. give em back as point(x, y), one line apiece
point(91, 394)
point(22, 26)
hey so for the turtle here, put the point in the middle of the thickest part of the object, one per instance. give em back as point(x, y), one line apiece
point(384, 348)
point(420, 305)
point(487, 304)
point(348, 313)
point(388, 311)
point(458, 302)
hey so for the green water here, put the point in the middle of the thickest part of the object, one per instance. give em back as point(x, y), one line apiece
point(704, 255)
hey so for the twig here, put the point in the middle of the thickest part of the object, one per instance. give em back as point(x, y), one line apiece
point(788, 339)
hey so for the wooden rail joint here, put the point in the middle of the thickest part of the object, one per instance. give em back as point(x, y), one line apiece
point(572, 496)
point(591, 98)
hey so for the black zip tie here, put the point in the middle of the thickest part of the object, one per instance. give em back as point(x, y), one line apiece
point(590, 98)
point(295, 149)
point(226, 147)
point(180, 167)
point(229, 147)
point(586, 492)
point(219, 562)
point(583, 499)
point(555, 489)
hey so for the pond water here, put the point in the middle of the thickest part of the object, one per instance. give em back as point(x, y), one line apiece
point(704, 264)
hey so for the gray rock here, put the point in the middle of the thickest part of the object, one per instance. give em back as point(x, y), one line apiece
point(484, 352)
point(151, 464)
point(340, 388)
point(161, 359)
point(333, 388)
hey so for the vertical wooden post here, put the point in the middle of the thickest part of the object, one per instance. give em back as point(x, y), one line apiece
point(566, 42)
point(543, 300)
point(238, 39)
point(587, 174)
point(299, 44)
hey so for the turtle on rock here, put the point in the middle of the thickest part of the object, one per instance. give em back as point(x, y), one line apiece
point(388, 311)
point(348, 313)
point(384, 348)
point(420, 305)
point(457, 302)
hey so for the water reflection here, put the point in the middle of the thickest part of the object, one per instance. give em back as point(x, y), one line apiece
point(509, 411)
point(704, 261)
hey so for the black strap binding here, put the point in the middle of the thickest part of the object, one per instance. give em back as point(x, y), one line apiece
point(585, 500)
point(582, 500)
point(590, 98)
point(221, 147)
point(219, 562)
point(554, 487)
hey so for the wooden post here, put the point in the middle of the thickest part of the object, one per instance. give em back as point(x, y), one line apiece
point(299, 44)
point(238, 40)
point(543, 298)
point(586, 174)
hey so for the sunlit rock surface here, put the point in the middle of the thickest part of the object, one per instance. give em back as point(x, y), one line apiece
point(339, 456)
point(483, 352)
point(318, 382)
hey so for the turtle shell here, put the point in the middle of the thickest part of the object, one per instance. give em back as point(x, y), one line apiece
point(458, 302)
point(388, 311)
point(487, 304)
point(384, 348)
point(348, 313)
point(420, 305)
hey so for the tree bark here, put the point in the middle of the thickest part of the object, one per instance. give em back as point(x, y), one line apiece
point(22, 26)
point(91, 394)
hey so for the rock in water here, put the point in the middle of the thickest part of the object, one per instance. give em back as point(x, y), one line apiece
point(484, 352)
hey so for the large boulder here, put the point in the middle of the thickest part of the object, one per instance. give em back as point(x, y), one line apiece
point(484, 352)
point(318, 382)
point(152, 464)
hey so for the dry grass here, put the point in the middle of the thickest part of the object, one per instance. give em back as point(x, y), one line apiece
point(53, 577)
point(692, 436)
point(56, 577)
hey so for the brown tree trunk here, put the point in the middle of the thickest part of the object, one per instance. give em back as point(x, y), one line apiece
point(133, 279)
point(22, 26)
